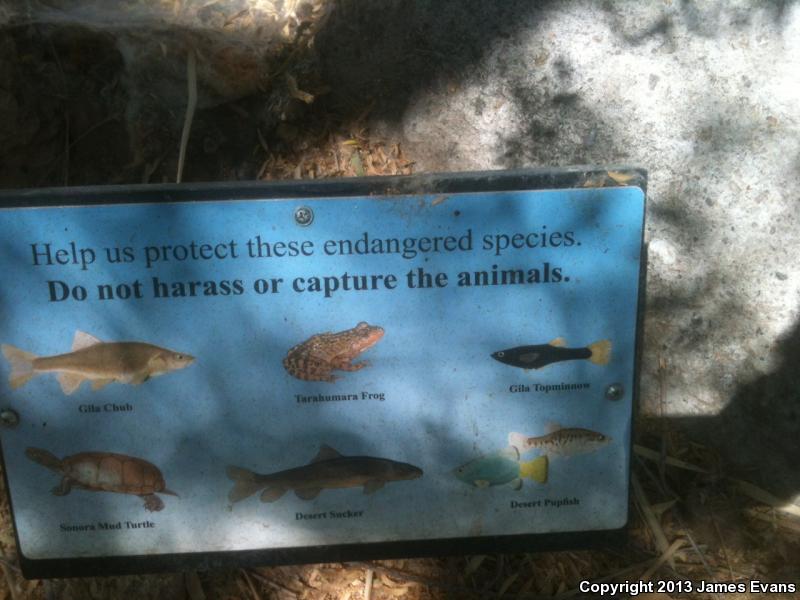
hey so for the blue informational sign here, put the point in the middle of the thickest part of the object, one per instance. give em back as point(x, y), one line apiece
point(236, 375)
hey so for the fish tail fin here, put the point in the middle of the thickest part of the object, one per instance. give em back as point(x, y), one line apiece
point(601, 352)
point(535, 469)
point(246, 483)
point(44, 458)
point(519, 441)
point(21, 365)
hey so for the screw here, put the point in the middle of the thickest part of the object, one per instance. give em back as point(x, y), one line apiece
point(9, 418)
point(303, 216)
point(615, 391)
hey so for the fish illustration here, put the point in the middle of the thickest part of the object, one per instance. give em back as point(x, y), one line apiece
point(541, 355)
point(502, 467)
point(327, 470)
point(95, 361)
point(560, 441)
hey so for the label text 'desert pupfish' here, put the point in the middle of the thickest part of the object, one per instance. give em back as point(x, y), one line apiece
point(546, 503)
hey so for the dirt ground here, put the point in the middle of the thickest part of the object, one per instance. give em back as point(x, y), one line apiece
point(357, 99)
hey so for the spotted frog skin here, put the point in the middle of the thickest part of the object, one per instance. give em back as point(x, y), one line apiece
point(319, 355)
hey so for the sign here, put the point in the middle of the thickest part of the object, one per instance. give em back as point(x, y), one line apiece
point(279, 374)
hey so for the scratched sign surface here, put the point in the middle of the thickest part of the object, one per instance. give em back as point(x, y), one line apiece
point(249, 375)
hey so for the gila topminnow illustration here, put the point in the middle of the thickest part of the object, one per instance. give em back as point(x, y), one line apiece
point(319, 355)
point(541, 355)
point(502, 467)
point(105, 472)
point(328, 470)
point(95, 361)
point(559, 441)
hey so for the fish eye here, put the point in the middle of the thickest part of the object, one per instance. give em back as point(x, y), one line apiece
point(179, 356)
point(501, 354)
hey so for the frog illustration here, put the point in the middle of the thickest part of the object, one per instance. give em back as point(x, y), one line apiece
point(316, 358)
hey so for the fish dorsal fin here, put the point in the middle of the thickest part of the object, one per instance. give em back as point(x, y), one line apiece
point(83, 340)
point(552, 427)
point(325, 453)
point(559, 342)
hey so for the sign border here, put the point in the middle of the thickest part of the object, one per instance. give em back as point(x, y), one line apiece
point(427, 184)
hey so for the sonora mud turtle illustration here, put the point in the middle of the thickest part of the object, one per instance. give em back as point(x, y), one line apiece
point(105, 472)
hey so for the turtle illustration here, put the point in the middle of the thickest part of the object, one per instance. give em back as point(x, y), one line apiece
point(105, 472)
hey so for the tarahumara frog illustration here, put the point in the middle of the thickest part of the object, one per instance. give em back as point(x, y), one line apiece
point(319, 355)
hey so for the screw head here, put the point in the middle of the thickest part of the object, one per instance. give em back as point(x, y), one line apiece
point(615, 391)
point(9, 418)
point(303, 216)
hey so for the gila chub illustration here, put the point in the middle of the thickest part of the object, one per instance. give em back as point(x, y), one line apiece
point(321, 354)
point(105, 472)
point(95, 361)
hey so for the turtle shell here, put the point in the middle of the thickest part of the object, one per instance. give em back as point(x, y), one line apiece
point(109, 472)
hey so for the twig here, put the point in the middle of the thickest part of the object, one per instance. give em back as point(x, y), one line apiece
point(241, 13)
point(250, 585)
point(191, 104)
point(193, 586)
point(701, 555)
point(368, 584)
point(73, 144)
point(262, 141)
point(773, 519)
point(273, 584)
point(722, 542)
point(652, 521)
point(674, 547)
point(403, 575)
point(662, 459)
point(576, 591)
point(64, 154)
point(673, 462)
point(10, 579)
point(9, 563)
point(66, 148)
point(763, 496)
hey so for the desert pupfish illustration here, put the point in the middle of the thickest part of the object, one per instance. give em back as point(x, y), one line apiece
point(502, 467)
point(105, 472)
point(560, 441)
point(327, 470)
point(541, 355)
point(95, 361)
point(319, 355)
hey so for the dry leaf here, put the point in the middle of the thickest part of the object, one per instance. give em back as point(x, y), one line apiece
point(621, 178)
